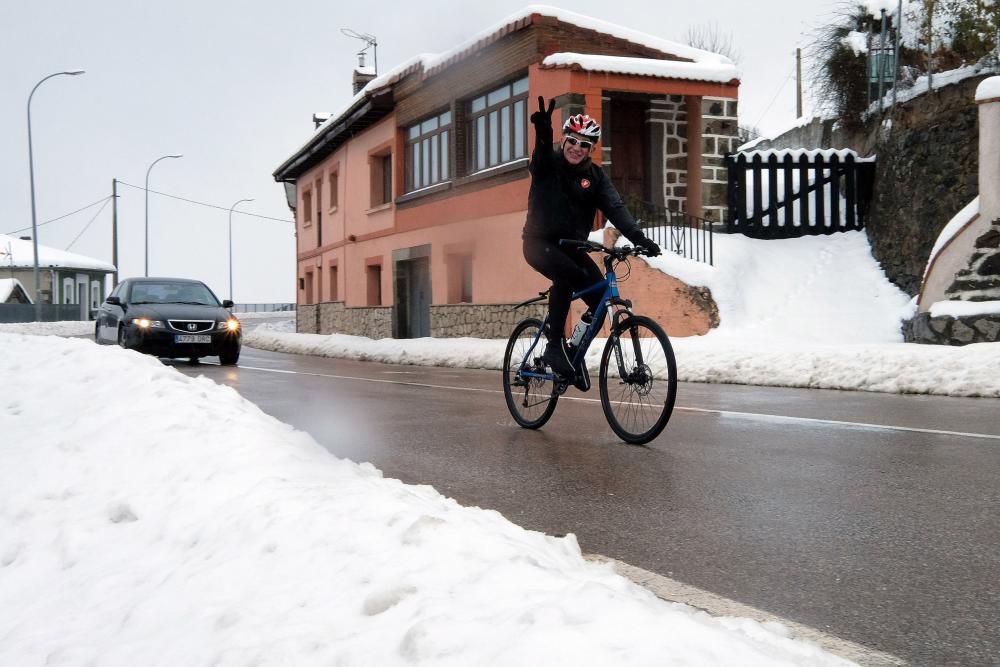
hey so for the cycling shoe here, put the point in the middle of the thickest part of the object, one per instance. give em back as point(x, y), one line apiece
point(556, 358)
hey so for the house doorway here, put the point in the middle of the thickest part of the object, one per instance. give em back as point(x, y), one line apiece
point(412, 269)
point(630, 142)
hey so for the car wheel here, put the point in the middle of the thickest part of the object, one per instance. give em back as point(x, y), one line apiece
point(97, 332)
point(229, 358)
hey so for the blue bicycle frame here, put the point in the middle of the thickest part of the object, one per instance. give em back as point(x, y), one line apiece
point(609, 286)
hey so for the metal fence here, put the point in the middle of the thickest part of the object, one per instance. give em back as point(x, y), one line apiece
point(263, 308)
point(676, 231)
point(25, 312)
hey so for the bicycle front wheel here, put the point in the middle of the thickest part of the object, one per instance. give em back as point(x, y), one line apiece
point(638, 380)
point(530, 398)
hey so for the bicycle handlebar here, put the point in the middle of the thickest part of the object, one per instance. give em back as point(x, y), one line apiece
point(593, 246)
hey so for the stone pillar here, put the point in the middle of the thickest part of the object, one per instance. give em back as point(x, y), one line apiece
point(988, 99)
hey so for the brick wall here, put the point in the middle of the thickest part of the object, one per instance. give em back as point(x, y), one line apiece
point(480, 321)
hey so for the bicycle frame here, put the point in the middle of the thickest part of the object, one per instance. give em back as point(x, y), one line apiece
point(610, 296)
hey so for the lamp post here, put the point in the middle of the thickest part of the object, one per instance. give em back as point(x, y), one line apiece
point(147, 204)
point(31, 171)
point(231, 245)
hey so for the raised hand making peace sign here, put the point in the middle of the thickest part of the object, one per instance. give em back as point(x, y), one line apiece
point(543, 117)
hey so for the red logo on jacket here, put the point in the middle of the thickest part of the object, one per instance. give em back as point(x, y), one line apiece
point(584, 183)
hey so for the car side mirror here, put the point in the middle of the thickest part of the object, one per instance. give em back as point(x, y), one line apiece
point(113, 300)
point(228, 304)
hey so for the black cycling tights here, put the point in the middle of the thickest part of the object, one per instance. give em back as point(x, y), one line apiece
point(570, 270)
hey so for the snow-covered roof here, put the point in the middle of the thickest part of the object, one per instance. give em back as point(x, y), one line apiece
point(7, 287)
point(432, 63)
point(22, 255)
point(671, 69)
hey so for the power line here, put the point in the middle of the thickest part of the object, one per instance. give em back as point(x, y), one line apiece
point(775, 98)
point(105, 200)
point(89, 222)
point(201, 203)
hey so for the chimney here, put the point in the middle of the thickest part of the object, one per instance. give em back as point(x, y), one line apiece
point(362, 75)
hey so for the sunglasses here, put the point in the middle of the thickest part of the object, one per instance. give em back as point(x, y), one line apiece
point(582, 143)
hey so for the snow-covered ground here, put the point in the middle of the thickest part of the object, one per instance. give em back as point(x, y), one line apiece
point(149, 518)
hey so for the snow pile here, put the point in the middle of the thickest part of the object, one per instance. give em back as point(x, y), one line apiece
point(20, 253)
point(201, 531)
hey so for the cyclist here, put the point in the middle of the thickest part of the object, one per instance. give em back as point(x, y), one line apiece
point(567, 189)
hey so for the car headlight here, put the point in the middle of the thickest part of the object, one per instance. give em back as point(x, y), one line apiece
point(145, 323)
point(230, 325)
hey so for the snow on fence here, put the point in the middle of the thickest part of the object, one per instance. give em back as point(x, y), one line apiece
point(796, 192)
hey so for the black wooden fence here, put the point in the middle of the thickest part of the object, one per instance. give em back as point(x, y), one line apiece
point(674, 231)
point(786, 193)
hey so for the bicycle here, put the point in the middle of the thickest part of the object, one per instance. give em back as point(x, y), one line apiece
point(638, 372)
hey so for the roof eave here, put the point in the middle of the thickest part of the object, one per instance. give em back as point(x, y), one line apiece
point(362, 115)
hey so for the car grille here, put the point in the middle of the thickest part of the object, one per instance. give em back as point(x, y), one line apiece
point(192, 326)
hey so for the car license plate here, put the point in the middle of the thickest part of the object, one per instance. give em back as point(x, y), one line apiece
point(192, 338)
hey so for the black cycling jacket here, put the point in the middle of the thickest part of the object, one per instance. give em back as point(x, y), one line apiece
point(564, 198)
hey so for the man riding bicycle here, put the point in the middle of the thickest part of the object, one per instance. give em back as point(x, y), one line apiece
point(567, 190)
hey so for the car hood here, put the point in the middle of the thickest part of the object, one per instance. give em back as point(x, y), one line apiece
point(178, 311)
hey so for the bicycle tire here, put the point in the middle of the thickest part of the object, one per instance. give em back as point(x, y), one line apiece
point(639, 404)
point(531, 401)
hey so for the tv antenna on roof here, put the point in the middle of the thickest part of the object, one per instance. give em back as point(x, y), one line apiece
point(370, 43)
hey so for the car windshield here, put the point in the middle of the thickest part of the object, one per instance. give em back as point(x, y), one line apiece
point(173, 292)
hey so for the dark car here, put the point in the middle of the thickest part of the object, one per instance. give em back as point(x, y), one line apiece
point(169, 317)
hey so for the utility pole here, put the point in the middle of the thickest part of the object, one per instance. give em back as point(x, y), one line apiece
point(798, 83)
point(114, 230)
point(881, 62)
point(899, 30)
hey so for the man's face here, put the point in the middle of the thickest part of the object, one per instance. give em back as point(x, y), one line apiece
point(576, 148)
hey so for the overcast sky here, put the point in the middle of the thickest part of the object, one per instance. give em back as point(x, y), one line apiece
point(233, 86)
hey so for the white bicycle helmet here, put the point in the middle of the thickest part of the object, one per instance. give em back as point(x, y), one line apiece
point(584, 125)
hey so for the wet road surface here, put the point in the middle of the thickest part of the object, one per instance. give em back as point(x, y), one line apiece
point(872, 517)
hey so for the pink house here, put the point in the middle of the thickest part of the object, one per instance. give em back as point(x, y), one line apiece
point(409, 202)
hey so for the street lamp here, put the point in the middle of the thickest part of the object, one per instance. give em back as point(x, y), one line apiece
point(31, 170)
point(147, 204)
point(231, 245)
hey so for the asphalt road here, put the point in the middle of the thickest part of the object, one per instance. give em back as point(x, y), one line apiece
point(872, 517)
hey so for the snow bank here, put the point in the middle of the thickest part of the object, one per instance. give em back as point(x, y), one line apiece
point(201, 531)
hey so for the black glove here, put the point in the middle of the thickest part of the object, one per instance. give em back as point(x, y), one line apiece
point(649, 246)
point(543, 117)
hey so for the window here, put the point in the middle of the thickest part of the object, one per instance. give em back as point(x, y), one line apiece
point(95, 295)
point(334, 184)
point(309, 288)
point(333, 282)
point(374, 277)
point(319, 213)
point(497, 126)
point(68, 289)
point(381, 179)
point(427, 152)
point(307, 208)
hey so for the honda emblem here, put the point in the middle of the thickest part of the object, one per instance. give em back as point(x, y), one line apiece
point(192, 326)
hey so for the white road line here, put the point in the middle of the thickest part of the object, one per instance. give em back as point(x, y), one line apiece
point(727, 413)
point(674, 591)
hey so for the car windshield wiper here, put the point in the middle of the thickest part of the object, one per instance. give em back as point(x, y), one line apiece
point(192, 303)
point(136, 303)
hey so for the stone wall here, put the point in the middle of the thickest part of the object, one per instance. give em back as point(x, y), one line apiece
point(952, 330)
point(670, 115)
point(371, 321)
point(480, 320)
point(719, 137)
point(307, 318)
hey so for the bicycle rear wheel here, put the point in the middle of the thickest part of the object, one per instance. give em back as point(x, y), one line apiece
point(531, 400)
point(638, 380)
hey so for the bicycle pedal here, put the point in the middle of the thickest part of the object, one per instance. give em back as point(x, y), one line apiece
point(561, 388)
